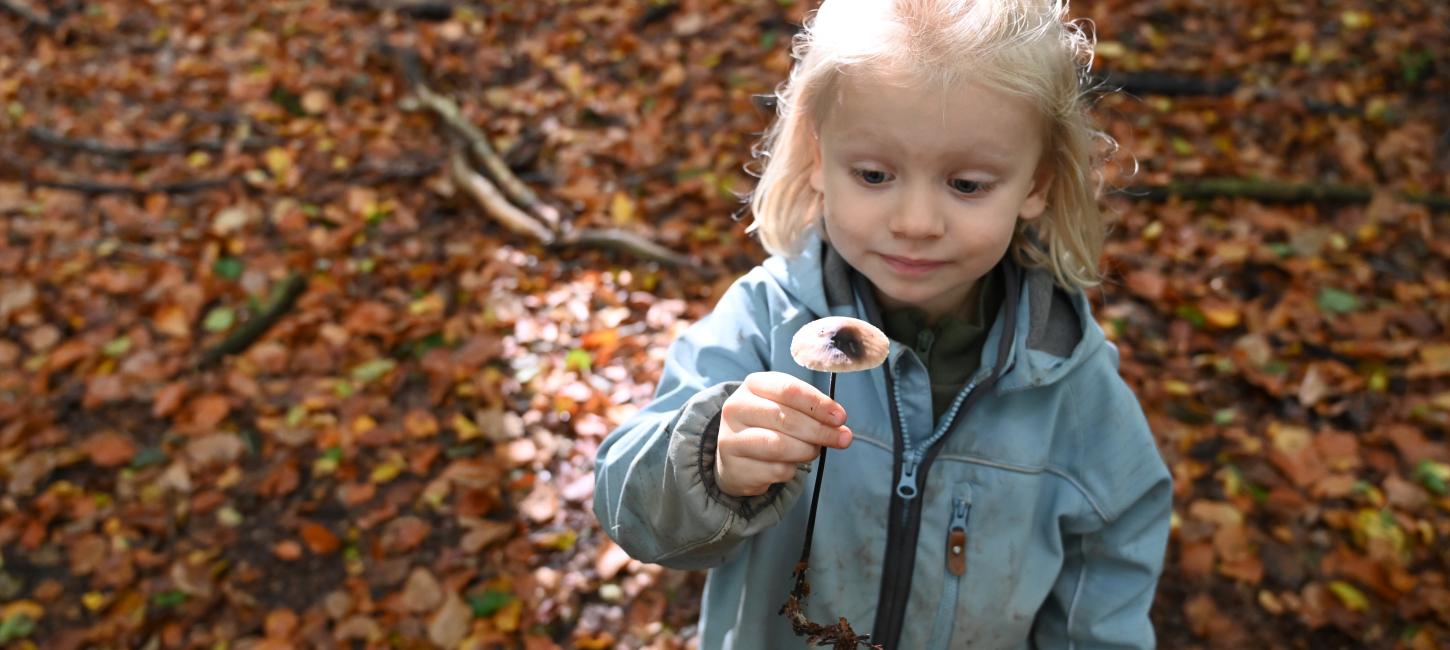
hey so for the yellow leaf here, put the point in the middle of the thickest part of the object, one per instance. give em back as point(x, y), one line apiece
point(1175, 387)
point(27, 608)
point(621, 209)
point(507, 617)
point(364, 424)
point(1351, 597)
point(279, 162)
point(465, 427)
point(94, 600)
point(385, 472)
point(1220, 315)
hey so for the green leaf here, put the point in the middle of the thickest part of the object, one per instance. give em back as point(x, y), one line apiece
point(1434, 476)
point(579, 359)
point(117, 347)
point(18, 626)
point(488, 602)
point(227, 267)
point(1351, 597)
point(219, 319)
point(169, 598)
point(1336, 301)
point(370, 370)
point(1193, 315)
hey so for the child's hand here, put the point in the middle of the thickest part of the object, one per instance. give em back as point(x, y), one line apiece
point(770, 425)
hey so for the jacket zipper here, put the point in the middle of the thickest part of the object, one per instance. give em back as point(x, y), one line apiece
point(905, 514)
point(941, 632)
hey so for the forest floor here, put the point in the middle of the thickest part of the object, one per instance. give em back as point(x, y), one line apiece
point(269, 376)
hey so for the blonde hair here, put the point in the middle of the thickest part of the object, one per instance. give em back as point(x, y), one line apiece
point(1022, 47)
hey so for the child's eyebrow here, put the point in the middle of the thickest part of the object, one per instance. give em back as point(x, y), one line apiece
point(859, 142)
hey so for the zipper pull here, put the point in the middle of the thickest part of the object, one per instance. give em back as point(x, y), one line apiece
point(906, 486)
point(957, 538)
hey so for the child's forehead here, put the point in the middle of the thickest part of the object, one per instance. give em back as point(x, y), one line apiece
point(886, 111)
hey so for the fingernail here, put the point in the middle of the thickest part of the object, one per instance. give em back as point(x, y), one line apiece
point(844, 440)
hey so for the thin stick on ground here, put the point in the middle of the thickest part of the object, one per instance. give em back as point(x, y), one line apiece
point(282, 300)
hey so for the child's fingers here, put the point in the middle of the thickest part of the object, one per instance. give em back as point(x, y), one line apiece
point(756, 411)
point(766, 445)
point(751, 477)
point(796, 393)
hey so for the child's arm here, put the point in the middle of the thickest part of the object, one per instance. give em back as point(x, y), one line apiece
point(655, 492)
point(1110, 573)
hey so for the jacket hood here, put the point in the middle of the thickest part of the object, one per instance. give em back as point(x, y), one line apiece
point(1054, 331)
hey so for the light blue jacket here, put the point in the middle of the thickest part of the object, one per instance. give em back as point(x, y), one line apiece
point(1044, 482)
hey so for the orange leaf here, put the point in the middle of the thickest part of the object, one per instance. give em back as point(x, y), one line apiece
point(172, 321)
point(109, 449)
point(319, 538)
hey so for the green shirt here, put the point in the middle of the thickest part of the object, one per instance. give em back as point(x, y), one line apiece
point(951, 348)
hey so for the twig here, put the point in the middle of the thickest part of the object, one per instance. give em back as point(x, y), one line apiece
point(29, 15)
point(478, 144)
point(494, 202)
point(634, 244)
point(1270, 192)
point(282, 300)
point(420, 9)
point(49, 137)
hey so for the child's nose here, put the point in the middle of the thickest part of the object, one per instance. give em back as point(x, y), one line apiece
point(917, 216)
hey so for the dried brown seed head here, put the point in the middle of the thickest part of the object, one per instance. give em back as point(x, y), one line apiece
point(839, 344)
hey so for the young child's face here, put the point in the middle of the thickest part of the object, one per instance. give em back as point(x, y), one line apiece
point(923, 188)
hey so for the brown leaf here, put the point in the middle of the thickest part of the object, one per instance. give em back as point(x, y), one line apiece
point(168, 399)
point(451, 623)
point(287, 550)
point(422, 593)
point(611, 560)
point(320, 539)
point(207, 411)
point(542, 504)
point(404, 533)
point(109, 449)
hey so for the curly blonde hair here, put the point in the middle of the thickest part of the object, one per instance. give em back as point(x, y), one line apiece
point(1023, 47)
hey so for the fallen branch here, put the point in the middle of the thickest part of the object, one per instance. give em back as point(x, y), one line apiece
point(420, 9)
point(1270, 192)
point(478, 144)
point(281, 302)
point(632, 243)
point(49, 137)
point(29, 15)
point(494, 203)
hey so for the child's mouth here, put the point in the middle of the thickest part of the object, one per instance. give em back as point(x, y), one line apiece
point(909, 266)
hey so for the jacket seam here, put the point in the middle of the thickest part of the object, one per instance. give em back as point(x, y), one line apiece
point(1025, 469)
point(1076, 591)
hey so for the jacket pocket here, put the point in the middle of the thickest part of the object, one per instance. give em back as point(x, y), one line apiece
point(955, 565)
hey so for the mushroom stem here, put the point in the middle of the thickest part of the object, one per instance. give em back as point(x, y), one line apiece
point(815, 500)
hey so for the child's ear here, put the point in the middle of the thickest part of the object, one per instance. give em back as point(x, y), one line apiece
point(1036, 201)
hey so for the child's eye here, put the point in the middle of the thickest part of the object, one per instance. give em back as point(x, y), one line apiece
point(871, 176)
point(965, 186)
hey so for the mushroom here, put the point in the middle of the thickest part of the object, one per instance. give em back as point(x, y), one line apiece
point(833, 344)
point(839, 344)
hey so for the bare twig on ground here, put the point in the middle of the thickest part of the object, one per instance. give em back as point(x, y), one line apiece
point(494, 203)
point(49, 137)
point(281, 302)
point(19, 8)
point(1270, 192)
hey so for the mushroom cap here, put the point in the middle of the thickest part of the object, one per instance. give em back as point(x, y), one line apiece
point(839, 344)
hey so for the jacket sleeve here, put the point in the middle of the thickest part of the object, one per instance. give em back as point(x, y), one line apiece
point(655, 492)
point(1110, 568)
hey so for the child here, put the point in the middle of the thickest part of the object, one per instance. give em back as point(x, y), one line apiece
point(994, 483)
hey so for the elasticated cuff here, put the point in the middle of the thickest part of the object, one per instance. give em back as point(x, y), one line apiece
point(692, 444)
